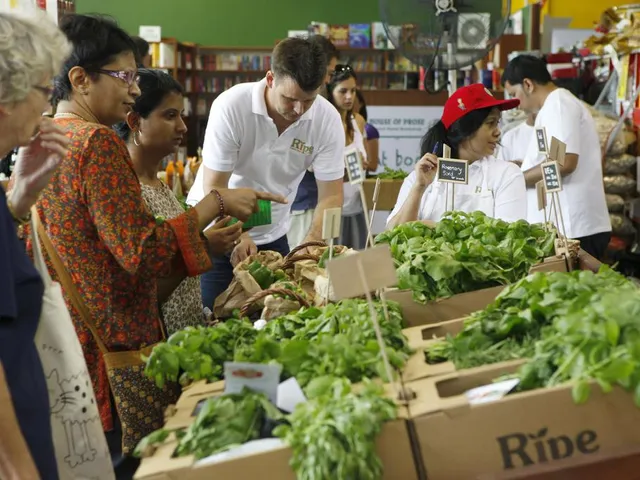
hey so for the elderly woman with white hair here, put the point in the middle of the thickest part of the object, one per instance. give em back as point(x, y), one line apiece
point(32, 50)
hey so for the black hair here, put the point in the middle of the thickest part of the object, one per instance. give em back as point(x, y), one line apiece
point(96, 41)
point(340, 74)
point(363, 105)
point(526, 66)
point(154, 85)
point(142, 46)
point(302, 60)
point(457, 132)
point(329, 48)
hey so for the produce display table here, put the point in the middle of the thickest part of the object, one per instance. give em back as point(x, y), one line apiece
point(624, 465)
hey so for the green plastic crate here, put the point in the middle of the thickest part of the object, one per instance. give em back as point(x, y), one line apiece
point(258, 219)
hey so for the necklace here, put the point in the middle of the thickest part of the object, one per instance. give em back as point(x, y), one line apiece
point(70, 115)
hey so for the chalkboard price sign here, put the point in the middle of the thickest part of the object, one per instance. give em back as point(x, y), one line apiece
point(453, 171)
point(541, 138)
point(551, 177)
point(353, 163)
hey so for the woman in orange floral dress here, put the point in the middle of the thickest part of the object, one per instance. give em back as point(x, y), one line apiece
point(95, 215)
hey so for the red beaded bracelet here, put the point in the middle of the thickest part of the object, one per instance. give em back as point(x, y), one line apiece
point(220, 203)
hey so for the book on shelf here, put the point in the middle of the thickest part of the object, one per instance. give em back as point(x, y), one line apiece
point(163, 55)
point(233, 62)
point(339, 35)
point(318, 28)
point(360, 35)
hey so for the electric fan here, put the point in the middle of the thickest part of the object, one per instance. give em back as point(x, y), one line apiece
point(443, 35)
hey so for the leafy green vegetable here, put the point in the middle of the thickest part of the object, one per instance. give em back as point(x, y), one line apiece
point(264, 276)
point(599, 342)
point(223, 423)
point(509, 327)
point(464, 252)
point(324, 258)
point(338, 340)
point(199, 352)
point(333, 434)
point(335, 340)
point(392, 174)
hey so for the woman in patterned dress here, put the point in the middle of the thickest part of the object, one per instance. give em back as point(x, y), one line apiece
point(96, 218)
point(155, 129)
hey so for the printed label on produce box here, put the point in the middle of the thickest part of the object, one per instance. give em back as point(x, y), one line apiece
point(521, 449)
point(492, 392)
point(255, 376)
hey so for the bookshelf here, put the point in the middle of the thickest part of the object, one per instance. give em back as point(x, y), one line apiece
point(206, 71)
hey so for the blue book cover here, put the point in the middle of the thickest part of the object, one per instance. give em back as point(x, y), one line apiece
point(360, 35)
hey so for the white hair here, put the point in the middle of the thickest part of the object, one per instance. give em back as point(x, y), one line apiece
point(32, 49)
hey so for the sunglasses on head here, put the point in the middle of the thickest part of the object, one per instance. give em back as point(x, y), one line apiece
point(340, 68)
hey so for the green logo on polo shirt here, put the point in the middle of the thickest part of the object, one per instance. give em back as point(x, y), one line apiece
point(300, 146)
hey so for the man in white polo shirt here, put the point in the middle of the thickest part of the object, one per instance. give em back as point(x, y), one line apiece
point(565, 117)
point(266, 135)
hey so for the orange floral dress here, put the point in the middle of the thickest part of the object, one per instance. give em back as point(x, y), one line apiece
point(110, 243)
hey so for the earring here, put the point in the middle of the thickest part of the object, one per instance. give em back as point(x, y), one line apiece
point(136, 142)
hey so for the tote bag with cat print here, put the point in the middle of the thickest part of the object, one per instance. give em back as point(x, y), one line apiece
point(80, 445)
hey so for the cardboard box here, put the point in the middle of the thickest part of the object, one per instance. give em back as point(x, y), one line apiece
point(463, 304)
point(424, 332)
point(393, 447)
point(462, 441)
point(387, 196)
point(419, 338)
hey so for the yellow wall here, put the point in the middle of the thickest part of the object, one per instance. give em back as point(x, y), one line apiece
point(583, 12)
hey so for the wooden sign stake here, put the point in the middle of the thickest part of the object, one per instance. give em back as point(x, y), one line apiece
point(376, 327)
point(376, 271)
point(447, 178)
point(331, 223)
point(367, 218)
point(553, 183)
point(376, 192)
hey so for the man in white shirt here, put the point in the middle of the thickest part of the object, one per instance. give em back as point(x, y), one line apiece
point(563, 116)
point(515, 142)
point(266, 135)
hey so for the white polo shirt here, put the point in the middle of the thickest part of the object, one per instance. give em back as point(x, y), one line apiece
point(495, 187)
point(515, 143)
point(243, 139)
point(582, 199)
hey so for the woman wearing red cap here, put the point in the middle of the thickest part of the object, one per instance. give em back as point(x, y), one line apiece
point(469, 126)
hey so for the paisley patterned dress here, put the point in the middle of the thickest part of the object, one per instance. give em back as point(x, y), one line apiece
point(183, 308)
point(112, 247)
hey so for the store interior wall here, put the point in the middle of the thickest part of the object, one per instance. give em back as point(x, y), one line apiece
point(583, 14)
point(242, 22)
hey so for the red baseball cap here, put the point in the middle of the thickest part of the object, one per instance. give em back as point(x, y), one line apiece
point(470, 98)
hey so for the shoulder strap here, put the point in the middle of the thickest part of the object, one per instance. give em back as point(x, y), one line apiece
point(67, 283)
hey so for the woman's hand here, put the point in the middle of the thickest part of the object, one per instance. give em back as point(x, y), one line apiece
point(36, 164)
point(223, 239)
point(242, 202)
point(426, 169)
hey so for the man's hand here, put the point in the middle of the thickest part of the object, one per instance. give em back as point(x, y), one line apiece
point(36, 164)
point(222, 239)
point(243, 250)
point(242, 202)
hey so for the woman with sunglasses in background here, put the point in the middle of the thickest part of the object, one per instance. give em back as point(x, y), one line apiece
point(153, 130)
point(470, 127)
point(341, 92)
point(96, 219)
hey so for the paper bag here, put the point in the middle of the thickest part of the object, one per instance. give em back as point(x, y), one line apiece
point(243, 285)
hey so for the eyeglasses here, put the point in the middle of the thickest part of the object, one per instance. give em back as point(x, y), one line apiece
point(126, 76)
point(340, 68)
